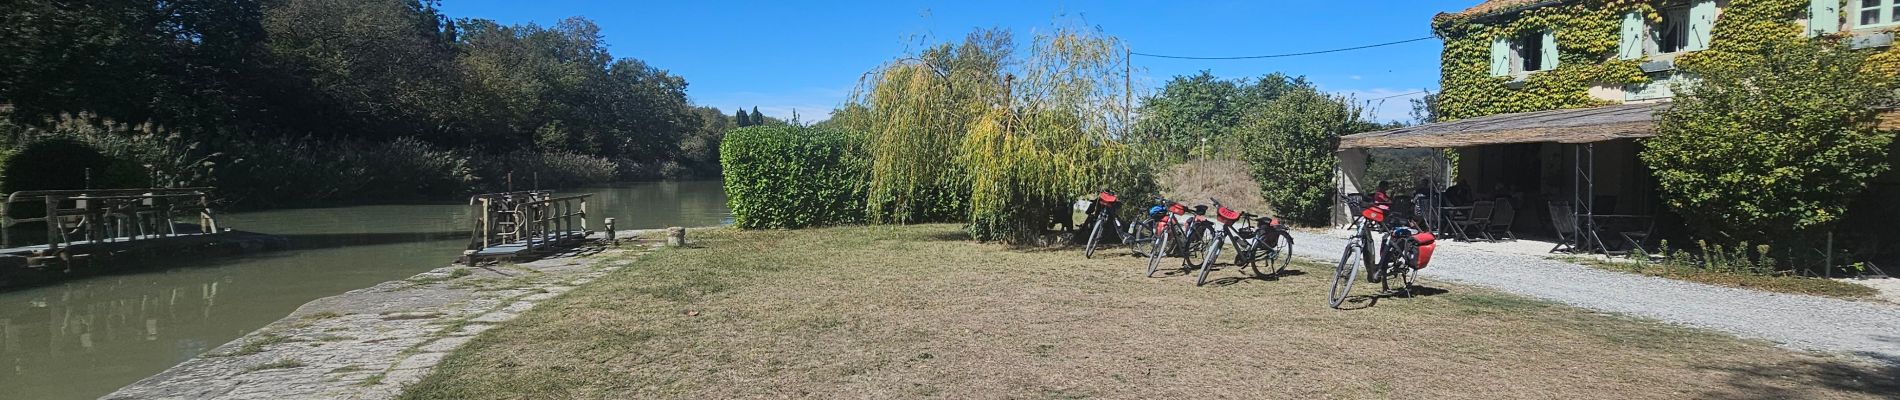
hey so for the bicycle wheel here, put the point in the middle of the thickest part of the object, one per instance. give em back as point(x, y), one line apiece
point(1281, 255)
point(1207, 263)
point(1139, 234)
point(1345, 273)
point(1157, 251)
point(1095, 235)
point(1191, 249)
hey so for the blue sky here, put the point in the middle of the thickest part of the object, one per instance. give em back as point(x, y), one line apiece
point(807, 56)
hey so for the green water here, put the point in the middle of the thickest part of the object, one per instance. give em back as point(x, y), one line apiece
point(87, 337)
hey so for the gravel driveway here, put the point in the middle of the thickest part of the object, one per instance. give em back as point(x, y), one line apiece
point(1867, 329)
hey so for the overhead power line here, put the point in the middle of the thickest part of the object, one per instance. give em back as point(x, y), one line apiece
point(1285, 55)
point(1399, 95)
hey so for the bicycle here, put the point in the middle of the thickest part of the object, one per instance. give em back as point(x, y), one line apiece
point(1252, 244)
point(1142, 233)
point(1180, 235)
point(1402, 251)
point(1101, 212)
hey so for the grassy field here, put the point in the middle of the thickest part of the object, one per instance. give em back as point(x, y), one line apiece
point(920, 311)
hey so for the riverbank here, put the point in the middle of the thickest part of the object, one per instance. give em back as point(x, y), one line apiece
point(369, 343)
point(921, 311)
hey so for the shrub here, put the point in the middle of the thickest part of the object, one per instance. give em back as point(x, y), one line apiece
point(1291, 142)
point(781, 176)
point(1773, 146)
point(51, 164)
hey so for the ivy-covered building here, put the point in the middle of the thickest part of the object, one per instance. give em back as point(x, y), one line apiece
point(1547, 102)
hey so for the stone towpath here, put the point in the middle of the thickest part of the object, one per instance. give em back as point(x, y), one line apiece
point(369, 343)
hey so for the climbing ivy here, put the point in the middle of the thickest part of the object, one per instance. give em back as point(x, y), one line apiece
point(1588, 34)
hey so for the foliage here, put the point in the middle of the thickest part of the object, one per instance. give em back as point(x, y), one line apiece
point(1402, 167)
point(783, 176)
point(54, 164)
point(238, 80)
point(915, 113)
point(522, 169)
point(1292, 142)
point(1588, 34)
point(1199, 116)
point(1772, 144)
point(1053, 141)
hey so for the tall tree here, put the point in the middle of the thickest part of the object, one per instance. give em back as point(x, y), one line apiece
point(757, 118)
point(744, 120)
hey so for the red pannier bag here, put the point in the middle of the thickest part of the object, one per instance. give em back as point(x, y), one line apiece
point(1426, 243)
point(1375, 213)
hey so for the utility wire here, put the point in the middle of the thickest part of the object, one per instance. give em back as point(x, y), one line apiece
point(1399, 95)
point(1284, 55)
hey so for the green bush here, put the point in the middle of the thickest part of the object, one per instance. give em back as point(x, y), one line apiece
point(1773, 147)
point(1291, 142)
point(781, 176)
point(54, 164)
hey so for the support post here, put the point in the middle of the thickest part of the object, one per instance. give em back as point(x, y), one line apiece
point(675, 237)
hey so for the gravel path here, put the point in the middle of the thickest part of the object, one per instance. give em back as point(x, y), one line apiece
point(1804, 322)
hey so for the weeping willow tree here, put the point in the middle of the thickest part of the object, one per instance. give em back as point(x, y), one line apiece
point(1054, 138)
point(915, 113)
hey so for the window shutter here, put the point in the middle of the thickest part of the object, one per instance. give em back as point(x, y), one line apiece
point(1824, 17)
point(1549, 58)
point(1632, 43)
point(1701, 24)
point(1500, 57)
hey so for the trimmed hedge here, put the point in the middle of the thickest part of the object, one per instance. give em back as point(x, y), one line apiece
point(789, 177)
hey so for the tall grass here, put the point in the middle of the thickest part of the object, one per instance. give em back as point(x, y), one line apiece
point(1230, 181)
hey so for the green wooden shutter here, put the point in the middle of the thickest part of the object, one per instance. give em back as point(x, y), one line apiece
point(1632, 43)
point(1824, 17)
point(1549, 58)
point(1500, 57)
point(1701, 24)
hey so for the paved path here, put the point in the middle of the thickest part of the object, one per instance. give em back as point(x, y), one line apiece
point(369, 343)
point(1869, 329)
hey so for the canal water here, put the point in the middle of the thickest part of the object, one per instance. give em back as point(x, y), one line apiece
point(87, 337)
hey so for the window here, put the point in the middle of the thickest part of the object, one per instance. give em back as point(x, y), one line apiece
point(1523, 53)
point(1685, 26)
point(1672, 35)
point(1530, 51)
point(1873, 13)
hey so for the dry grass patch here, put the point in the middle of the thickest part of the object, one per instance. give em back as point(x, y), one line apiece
point(919, 311)
point(1231, 181)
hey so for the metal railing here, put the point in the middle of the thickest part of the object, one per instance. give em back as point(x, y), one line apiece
point(73, 216)
point(534, 220)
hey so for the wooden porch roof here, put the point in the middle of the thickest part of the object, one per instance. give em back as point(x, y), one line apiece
point(1577, 125)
